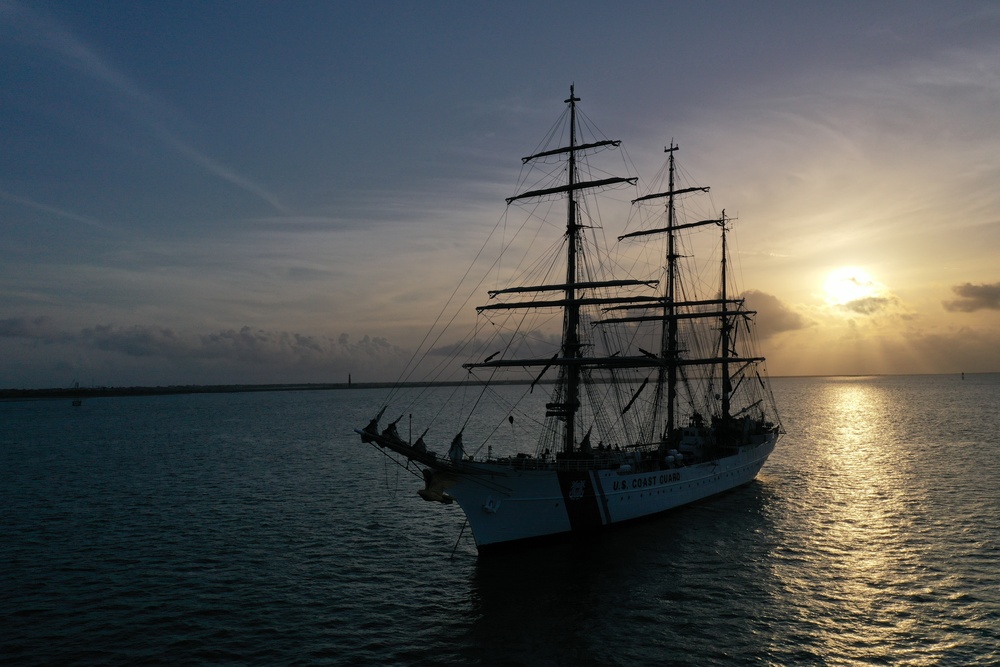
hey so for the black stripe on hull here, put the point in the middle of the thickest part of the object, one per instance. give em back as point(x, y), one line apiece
point(582, 502)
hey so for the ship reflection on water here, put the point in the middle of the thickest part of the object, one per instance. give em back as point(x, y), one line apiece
point(682, 576)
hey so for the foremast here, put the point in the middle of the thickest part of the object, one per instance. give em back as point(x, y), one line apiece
point(566, 402)
point(571, 316)
point(668, 346)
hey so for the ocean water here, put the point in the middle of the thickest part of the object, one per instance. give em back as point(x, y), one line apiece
point(257, 529)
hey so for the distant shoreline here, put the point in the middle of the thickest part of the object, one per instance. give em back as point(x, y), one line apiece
point(106, 392)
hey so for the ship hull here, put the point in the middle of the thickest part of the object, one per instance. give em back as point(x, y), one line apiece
point(505, 505)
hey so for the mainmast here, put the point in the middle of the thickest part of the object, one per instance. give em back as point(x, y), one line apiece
point(669, 344)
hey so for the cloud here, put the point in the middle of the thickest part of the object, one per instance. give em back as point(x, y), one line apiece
point(870, 305)
point(974, 297)
point(54, 210)
point(222, 171)
point(227, 356)
point(36, 328)
point(70, 50)
point(773, 316)
point(532, 343)
point(245, 345)
point(74, 53)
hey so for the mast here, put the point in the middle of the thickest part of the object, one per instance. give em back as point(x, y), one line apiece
point(571, 325)
point(727, 384)
point(668, 349)
point(571, 362)
point(670, 362)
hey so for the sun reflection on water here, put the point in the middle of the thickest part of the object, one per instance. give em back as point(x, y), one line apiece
point(867, 505)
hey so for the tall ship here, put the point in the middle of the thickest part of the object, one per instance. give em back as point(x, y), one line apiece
point(607, 377)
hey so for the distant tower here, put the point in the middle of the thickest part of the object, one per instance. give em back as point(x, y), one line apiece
point(348, 380)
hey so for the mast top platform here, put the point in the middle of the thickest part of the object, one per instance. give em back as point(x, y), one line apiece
point(572, 97)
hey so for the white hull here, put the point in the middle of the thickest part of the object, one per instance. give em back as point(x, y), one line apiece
point(504, 504)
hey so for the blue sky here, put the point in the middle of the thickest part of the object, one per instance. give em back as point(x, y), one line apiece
point(227, 192)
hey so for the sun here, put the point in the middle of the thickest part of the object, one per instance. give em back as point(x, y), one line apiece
point(850, 283)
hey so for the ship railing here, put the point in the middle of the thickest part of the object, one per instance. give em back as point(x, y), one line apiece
point(534, 463)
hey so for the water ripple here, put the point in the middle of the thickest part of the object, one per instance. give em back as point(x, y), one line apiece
point(254, 529)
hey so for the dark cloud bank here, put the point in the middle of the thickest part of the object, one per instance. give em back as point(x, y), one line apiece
point(245, 355)
point(974, 297)
point(773, 316)
point(36, 352)
point(40, 353)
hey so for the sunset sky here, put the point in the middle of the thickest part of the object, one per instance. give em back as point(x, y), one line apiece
point(265, 192)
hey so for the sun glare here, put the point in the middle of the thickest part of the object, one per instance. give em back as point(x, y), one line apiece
point(850, 283)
